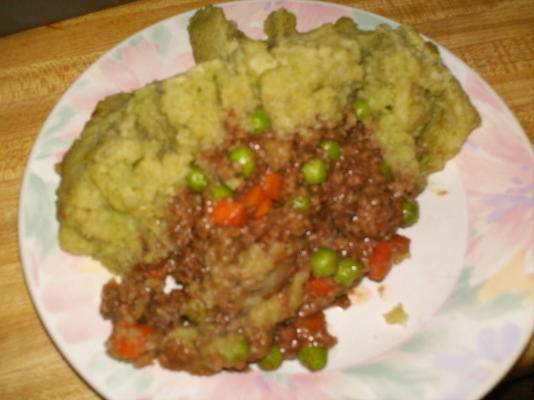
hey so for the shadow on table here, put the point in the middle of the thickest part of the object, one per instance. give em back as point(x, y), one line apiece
point(516, 389)
point(25, 14)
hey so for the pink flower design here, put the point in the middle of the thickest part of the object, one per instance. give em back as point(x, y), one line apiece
point(153, 398)
point(58, 297)
point(491, 349)
point(139, 65)
point(74, 330)
point(479, 89)
point(254, 385)
point(309, 15)
point(498, 174)
point(261, 386)
point(68, 293)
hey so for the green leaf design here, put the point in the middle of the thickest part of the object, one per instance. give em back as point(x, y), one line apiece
point(183, 21)
point(365, 21)
point(82, 83)
point(119, 375)
point(500, 305)
point(116, 54)
point(125, 377)
point(464, 299)
point(422, 342)
point(99, 362)
point(162, 36)
point(39, 214)
point(62, 117)
point(135, 40)
point(50, 146)
point(393, 381)
point(276, 378)
point(463, 294)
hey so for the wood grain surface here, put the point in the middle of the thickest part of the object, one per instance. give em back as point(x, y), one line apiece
point(495, 37)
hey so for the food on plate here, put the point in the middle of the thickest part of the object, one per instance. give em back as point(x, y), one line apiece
point(238, 200)
point(396, 316)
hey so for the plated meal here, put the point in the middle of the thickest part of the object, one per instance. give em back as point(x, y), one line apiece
point(210, 196)
point(236, 201)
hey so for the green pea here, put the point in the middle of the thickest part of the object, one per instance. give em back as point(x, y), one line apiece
point(272, 360)
point(234, 348)
point(196, 179)
point(332, 149)
point(348, 270)
point(194, 310)
point(301, 203)
point(315, 171)
point(410, 212)
point(313, 358)
point(362, 109)
point(323, 262)
point(186, 335)
point(259, 120)
point(220, 192)
point(386, 171)
point(243, 157)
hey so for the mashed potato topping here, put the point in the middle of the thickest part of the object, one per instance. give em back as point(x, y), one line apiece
point(133, 154)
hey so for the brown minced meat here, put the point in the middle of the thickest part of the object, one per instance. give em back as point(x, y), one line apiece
point(220, 315)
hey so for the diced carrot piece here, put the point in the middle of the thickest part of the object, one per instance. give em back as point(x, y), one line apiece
point(384, 255)
point(313, 323)
point(380, 261)
point(262, 208)
point(259, 198)
point(253, 197)
point(401, 244)
point(319, 286)
point(129, 341)
point(157, 273)
point(271, 183)
point(229, 212)
point(257, 201)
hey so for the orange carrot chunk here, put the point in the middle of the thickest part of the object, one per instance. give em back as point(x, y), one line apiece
point(259, 198)
point(253, 197)
point(380, 261)
point(271, 183)
point(129, 341)
point(157, 273)
point(384, 254)
point(401, 245)
point(313, 323)
point(229, 212)
point(319, 286)
point(262, 208)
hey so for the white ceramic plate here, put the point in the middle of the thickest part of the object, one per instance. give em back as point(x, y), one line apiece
point(468, 288)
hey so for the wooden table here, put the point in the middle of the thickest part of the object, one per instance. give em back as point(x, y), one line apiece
point(494, 37)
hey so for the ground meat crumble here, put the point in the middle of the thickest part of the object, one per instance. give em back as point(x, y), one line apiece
point(197, 302)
